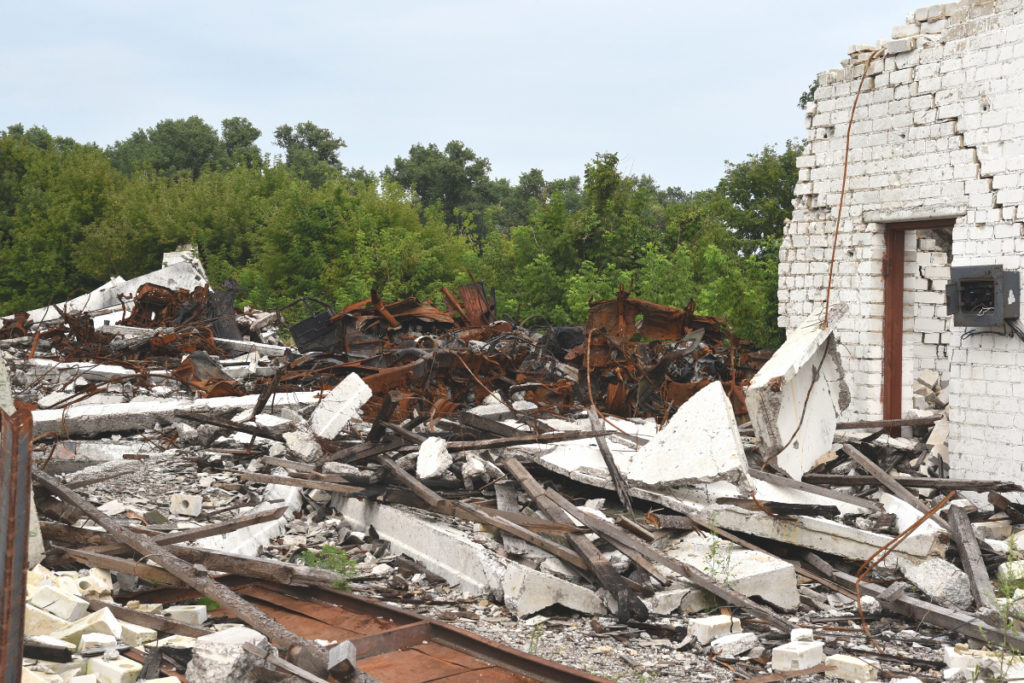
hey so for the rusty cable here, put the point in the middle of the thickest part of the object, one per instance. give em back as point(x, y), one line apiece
point(842, 189)
point(882, 553)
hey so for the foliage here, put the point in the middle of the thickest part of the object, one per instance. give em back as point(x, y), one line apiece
point(73, 215)
point(334, 559)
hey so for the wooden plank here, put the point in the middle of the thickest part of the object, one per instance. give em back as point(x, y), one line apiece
point(889, 424)
point(301, 483)
point(689, 572)
point(963, 624)
point(937, 483)
point(887, 480)
point(125, 566)
point(304, 652)
point(609, 461)
point(477, 514)
point(629, 605)
point(806, 487)
point(970, 557)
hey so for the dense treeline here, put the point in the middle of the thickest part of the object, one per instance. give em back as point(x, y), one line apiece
point(72, 215)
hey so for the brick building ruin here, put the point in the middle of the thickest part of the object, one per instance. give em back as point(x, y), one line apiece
point(936, 155)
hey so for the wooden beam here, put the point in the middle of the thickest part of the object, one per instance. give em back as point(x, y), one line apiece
point(970, 557)
point(889, 482)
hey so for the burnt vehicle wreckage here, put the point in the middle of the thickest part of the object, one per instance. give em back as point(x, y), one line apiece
point(186, 497)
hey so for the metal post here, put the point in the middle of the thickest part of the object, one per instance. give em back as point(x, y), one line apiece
point(15, 492)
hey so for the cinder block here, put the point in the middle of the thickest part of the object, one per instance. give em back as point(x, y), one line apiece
point(706, 629)
point(64, 605)
point(120, 670)
point(135, 635)
point(189, 614)
point(93, 641)
point(189, 505)
point(41, 623)
point(796, 655)
point(102, 621)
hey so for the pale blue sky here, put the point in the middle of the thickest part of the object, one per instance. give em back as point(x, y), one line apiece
point(675, 88)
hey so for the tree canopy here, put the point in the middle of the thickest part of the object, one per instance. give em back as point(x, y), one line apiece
point(72, 215)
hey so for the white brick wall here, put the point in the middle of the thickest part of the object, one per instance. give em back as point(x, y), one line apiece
point(938, 133)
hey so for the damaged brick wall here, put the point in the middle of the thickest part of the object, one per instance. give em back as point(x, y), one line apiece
point(937, 134)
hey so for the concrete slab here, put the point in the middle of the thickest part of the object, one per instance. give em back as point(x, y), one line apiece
point(221, 657)
point(940, 580)
point(90, 420)
point(700, 444)
point(340, 406)
point(797, 427)
point(462, 562)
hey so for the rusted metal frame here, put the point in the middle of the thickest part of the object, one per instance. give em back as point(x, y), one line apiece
point(630, 607)
point(893, 282)
point(892, 324)
point(304, 652)
point(15, 504)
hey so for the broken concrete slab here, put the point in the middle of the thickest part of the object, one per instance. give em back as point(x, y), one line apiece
point(706, 629)
point(700, 444)
point(850, 668)
point(796, 397)
point(340, 406)
point(734, 644)
point(797, 655)
point(90, 420)
point(940, 580)
point(464, 563)
point(751, 573)
point(222, 657)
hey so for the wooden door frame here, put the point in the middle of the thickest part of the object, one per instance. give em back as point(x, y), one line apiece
point(893, 282)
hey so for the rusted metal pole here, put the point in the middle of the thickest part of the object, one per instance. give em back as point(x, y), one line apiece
point(15, 497)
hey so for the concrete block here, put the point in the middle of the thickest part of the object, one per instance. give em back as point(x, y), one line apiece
point(94, 641)
point(433, 458)
point(1011, 571)
point(64, 605)
point(796, 655)
point(983, 663)
point(88, 678)
point(186, 504)
point(303, 444)
point(97, 584)
point(801, 635)
point(101, 621)
point(118, 670)
point(777, 396)
point(850, 668)
point(30, 676)
point(940, 580)
point(999, 530)
point(734, 644)
point(706, 629)
point(189, 614)
point(221, 657)
point(700, 444)
point(340, 406)
point(135, 635)
point(42, 623)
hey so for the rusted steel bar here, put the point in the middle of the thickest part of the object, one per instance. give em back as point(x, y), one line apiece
point(15, 497)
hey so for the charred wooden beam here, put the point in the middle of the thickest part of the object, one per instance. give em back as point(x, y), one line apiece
point(937, 483)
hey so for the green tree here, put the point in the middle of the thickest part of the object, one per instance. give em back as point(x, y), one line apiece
point(239, 137)
point(172, 147)
point(454, 178)
point(311, 152)
point(760, 192)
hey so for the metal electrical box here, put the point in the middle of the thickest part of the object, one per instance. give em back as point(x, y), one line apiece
point(982, 296)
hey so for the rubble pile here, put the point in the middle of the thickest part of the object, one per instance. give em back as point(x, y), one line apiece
point(662, 496)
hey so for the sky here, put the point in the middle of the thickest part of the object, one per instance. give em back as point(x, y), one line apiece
point(675, 88)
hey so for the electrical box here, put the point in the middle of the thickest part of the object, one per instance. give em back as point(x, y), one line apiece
point(982, 296)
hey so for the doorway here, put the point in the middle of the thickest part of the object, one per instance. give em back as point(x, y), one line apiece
point(915, 329)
